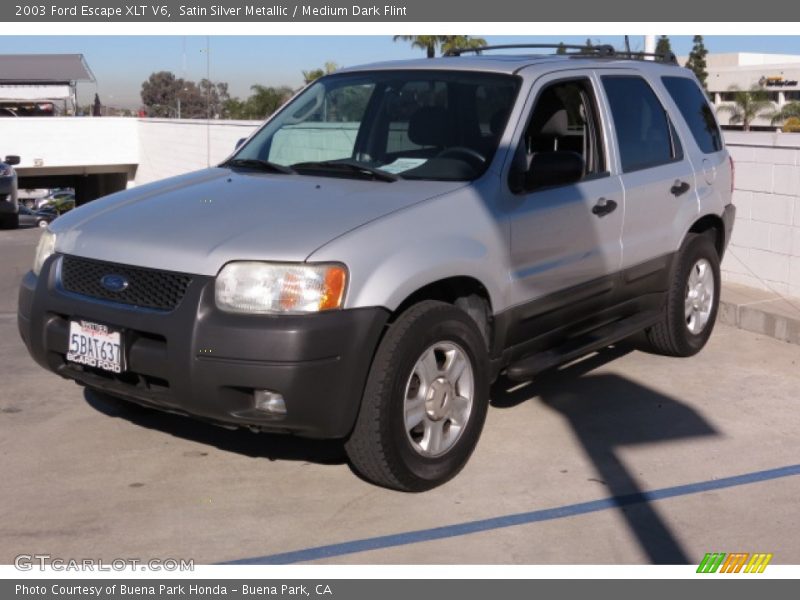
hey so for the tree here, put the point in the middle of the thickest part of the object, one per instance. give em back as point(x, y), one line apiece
point(160, 93)
point(747, 106)
point(216, 95)
point(430, 43)
point(589, 47)
point(789, 111)
point(314, 74)
point(165, 95)
point(697, 59)
point(663, 47)
point(266, 100)
point(454, 42)
point(562, 49)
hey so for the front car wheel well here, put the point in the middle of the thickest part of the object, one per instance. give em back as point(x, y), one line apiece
point(467, 293)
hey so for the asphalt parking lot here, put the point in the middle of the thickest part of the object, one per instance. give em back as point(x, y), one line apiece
point(624, 457)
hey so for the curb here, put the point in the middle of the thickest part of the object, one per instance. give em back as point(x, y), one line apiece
point(761, 312)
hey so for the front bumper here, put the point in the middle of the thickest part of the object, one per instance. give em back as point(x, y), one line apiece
point(7, 187)
point(202, 362)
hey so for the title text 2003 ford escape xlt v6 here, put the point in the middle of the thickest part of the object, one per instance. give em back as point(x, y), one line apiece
point(387, 244)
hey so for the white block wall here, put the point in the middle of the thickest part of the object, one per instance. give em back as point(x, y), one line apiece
point(171, 147)
point(765, 247)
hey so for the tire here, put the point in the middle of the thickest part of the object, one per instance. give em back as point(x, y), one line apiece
point(428, 343)
point(41, 223)
point(685, 329)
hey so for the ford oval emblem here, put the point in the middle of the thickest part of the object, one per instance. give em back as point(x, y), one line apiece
point(114, 283)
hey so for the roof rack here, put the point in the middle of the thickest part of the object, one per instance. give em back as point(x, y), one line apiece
point(574, 51)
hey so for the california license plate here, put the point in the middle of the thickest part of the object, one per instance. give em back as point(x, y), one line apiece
point(95, 345)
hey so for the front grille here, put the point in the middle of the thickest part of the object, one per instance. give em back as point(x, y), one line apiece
point(149, 288)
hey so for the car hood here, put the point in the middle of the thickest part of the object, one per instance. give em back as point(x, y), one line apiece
point(196, 223)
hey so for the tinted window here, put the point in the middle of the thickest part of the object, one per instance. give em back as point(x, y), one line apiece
point(694, 107)
point(643, 131)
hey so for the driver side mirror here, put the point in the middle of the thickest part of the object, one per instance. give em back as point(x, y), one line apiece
point(548, 169)
point(12, 159)
point(239, 143)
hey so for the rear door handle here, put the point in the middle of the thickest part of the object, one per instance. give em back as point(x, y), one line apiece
point(604, 207)
point(679, 187)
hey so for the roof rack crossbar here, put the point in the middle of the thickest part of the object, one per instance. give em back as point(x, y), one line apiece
point(575, 51)
point(603, 49)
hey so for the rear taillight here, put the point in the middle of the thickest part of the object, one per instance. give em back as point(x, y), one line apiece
point(733, 172)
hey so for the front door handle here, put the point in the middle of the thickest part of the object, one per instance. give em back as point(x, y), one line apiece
point(679, 187)
point(604, 207)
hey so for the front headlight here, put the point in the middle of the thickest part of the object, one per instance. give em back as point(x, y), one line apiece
point(46, 247)
point(258, 287)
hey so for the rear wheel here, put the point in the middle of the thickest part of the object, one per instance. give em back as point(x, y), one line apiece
point(692, 300)
point(425, 400)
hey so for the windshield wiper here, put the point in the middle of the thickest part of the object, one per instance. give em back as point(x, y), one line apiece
point(347, 167)
point(257, 163)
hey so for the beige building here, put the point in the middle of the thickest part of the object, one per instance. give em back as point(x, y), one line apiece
point(777, 74)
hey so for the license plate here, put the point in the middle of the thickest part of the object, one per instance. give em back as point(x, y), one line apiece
point(95, 345)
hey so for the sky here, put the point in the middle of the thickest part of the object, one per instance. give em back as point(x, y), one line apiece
point(122, 63)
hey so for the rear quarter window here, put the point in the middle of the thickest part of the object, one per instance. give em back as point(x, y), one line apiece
point(696, 112)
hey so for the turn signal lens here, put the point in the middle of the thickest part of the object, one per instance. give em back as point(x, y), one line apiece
point(257, 287)
point(45, 248)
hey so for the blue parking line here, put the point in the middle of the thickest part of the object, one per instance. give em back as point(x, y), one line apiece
point(536, 516)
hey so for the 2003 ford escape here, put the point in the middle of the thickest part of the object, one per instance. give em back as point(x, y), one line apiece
point(393, 239)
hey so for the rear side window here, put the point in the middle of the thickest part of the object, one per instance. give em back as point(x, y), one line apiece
point(694, 107)
point(646, 137)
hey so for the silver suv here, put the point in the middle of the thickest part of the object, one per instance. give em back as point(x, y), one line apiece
point(395, 238)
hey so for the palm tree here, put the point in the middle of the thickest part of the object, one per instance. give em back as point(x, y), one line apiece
point(792, 109)
point(430, 43)
point(747, 106)
point(454, 42)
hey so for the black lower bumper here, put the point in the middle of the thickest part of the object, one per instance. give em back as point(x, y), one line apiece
point(206, 363)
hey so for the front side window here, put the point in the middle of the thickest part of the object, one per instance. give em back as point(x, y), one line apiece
point(563, 128)
point(408, 124)
point(645, 135)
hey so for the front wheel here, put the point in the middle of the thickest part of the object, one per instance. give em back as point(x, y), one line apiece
point(692, 300)
point(425, 400)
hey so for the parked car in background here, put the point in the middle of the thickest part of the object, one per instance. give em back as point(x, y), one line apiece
point(9, 218)
point(61, 200)
point(28, 197)
point(40, 218)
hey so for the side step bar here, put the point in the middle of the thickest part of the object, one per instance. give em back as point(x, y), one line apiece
point(528, 366)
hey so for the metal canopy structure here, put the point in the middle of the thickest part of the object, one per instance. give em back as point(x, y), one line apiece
point(34, 78)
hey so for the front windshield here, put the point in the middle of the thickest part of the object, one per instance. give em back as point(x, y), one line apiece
point(441, 125)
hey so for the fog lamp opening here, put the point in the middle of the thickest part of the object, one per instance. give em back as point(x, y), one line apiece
point(269, 402)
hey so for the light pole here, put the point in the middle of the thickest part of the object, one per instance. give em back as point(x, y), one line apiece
point(649, 44)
